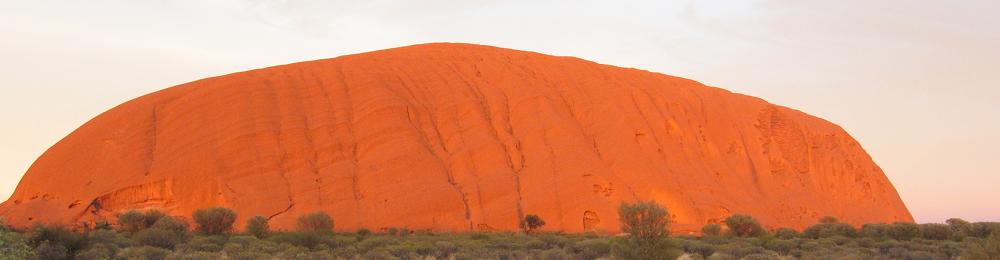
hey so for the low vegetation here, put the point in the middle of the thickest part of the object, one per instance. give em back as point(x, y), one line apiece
point(154, 235)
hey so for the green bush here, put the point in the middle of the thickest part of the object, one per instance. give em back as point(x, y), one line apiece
point(13, 245)
point(830, 230)
point(701, 248)
point(935, 231)
point(203, 244)
point(56, 239)
point(317, 221)
point(876, 231)
point(97, 252)
point(711, 230)
point(174, 225)
point(196, 256)
point(593, 248)
point(257, 226)
point(744, 226)
point(987, 249)
point(144, 253)
point(214, 221)
point(132, 221)
point(781, 246)
point(905, 231)
point(157, 238)
point(786, 233)
point(50, 250)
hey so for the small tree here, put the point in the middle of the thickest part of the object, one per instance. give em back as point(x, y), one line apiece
point(957, 224)
point(214, 221)
point(258, 227)
point(317, 221)
point(711, 230)
point(646, 223)
point(744, 226)
point(531, 223)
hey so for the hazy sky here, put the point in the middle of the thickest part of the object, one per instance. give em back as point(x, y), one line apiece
point(916, 82)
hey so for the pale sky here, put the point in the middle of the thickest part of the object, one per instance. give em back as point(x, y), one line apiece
point(916, 82)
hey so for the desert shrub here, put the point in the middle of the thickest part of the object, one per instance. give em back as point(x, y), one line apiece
point(935, 231)
point(363, 233)
point(555, 254)
point(830, 230)
point(156, 237)
point(701, 248)
point(786, 233)
point(646, 224)
point(983, 229)
point(257, 226)
point(741, 249)
point(131, 221)
point(828, 220)
point(307, 239)
point(905, 231)
point(593, 248)
point(144, 253)
point(103, 242)
point(248, 247)
point(531, 223)
point(203, 244)
point(317, 221)
point(876, 231)
point(174, 225)
point(985, 249)
point(781, 246)
point(721, 256)
point(711, 230)
point(50, 250)
point(13, 245)
point(56, 238)
point(392, 231)
point(181, 255)
point(744, 226)
point(96, 252)
point(445, 248)
point(214, 221)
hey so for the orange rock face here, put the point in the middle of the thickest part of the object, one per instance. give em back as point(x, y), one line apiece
point(456, 137)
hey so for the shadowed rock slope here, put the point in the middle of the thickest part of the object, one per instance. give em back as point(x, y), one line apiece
point(456, 137)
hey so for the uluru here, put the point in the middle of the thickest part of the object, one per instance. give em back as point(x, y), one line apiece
point(456, 137)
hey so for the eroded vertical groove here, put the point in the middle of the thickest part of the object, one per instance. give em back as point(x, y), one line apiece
point(356, 190)
point(446, 166)
point(311, 159)
point(282, 167)
point(153, 139)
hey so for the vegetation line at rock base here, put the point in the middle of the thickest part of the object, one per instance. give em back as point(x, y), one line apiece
point(154, 235)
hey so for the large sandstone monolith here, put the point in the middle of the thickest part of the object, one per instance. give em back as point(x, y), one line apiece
point(456, 137)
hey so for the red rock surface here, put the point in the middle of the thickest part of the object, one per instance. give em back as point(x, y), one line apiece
point(456, 137)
